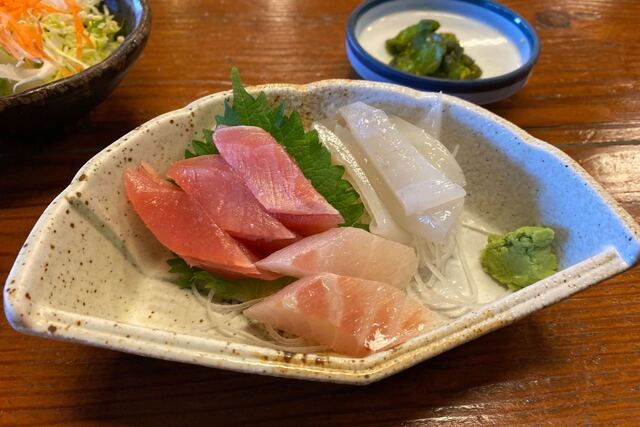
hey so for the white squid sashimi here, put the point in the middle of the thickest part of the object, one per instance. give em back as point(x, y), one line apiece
point(382, 223)
point(432, 121)
point(433, 224)
point(432, 149)
point(416, 184)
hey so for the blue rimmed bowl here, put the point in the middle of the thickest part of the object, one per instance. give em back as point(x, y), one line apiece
point(502, 42)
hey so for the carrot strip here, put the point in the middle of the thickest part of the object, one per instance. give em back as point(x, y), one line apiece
point(77, 22)
point(20, 31)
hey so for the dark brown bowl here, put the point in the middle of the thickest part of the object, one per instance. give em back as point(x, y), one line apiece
point(59, 103)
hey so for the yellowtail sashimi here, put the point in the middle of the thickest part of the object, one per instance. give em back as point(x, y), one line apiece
point(346, 251)
point(349, 315)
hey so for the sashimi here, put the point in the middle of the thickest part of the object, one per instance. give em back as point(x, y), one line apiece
point(180, 224)
point(434, 224)
point(382, 223)
point(349, 315)
point(346, 251)
point(416, 184)
point(227, 200)
point(307, 225)
point(432, 149)
point(432, 121)
point(275, 179)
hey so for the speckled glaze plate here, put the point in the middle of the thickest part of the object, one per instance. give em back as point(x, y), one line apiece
point(90, 272)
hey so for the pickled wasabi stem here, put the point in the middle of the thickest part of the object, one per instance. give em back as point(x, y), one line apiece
point(432, 224)
point(431, 149)
point(416, 184)
point(382, 223)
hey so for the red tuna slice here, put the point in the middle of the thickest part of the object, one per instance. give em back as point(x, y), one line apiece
point(180, 224)
point(307, 225)
point(267, 247)
point(275, 179)
point(348, 315)
point(347, 251)
point(228, 201)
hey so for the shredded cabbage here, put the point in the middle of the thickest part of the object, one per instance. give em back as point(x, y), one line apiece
point(51, 39)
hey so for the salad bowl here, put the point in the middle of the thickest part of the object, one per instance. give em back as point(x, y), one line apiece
point(64, 101)
point(90, 272)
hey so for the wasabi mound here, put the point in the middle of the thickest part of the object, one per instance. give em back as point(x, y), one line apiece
point(520, 258)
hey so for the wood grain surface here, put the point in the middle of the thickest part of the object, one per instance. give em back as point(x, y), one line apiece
point(575, 363)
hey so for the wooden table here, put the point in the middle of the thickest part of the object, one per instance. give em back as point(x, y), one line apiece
point(575, 363)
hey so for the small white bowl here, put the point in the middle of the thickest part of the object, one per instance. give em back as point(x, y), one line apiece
point(90, 271)
point(502, 43)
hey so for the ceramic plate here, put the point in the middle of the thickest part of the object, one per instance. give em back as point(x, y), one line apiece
point(90, 272)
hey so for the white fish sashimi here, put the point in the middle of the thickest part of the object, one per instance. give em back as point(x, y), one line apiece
point(347, 251)
point(349, 315)
point(432, 149)
point(416, 184)
point(432, 224)
point(382, 223)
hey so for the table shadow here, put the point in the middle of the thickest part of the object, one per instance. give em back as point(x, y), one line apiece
point(35, 167)
point(138, 391)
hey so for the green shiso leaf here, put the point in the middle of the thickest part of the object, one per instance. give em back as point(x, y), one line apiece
point(202, 148)
point(225, 289)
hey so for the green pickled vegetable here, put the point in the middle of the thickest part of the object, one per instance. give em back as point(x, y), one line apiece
point(520, 258)
point(403, 40)
point(418, 49)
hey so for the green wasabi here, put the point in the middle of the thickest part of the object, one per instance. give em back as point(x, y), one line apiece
point(521, 257)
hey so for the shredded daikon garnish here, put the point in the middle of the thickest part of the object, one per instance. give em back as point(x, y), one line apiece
point(220, 317)
point(431, 279)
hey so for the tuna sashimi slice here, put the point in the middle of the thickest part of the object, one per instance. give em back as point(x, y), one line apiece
point(346, 251)
point(349, 315)
point(275, 179)
point(308, 224)
point(228, 201)
point(180, 224)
